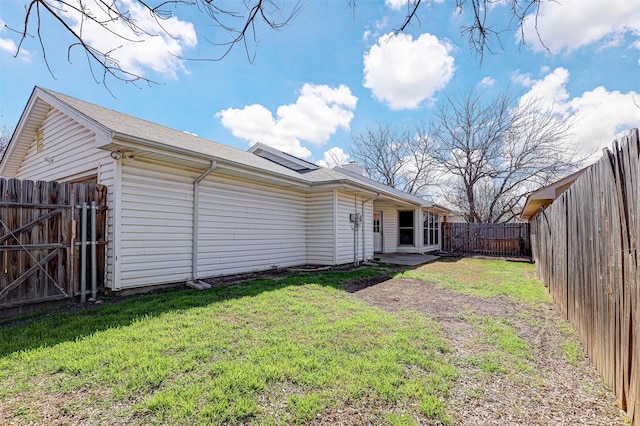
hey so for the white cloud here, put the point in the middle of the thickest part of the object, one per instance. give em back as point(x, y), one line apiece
point(399, 4)
point(571, 24)
point(317, 114)
point(156, 45)
point(487, 82)
point(599, 115)
point(551, 90)
point(403, 73)
point(10, 46)
point(395, 4)
point(334, 157)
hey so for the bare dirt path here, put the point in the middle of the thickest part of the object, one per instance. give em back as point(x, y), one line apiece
point(544, 389)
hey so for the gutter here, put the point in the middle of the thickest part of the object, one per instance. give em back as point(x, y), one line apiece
point(194, 282)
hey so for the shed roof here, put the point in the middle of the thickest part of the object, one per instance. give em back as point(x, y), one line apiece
point(547, 194)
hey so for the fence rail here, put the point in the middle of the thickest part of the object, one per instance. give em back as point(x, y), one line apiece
point(490, 239)
point(39, 251)
point(587, 254)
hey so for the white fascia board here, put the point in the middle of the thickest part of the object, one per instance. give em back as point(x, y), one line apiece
point(223, 164)
point(102, 133)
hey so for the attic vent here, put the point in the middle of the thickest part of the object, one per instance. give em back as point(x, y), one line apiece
point(40, 140)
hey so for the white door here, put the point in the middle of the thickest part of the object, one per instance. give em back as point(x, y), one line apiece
point(377, 231)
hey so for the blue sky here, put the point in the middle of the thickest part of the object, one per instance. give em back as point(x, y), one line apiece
point(333, 71)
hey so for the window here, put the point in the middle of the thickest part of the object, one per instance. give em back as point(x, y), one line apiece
point(431, 229)
point(405, 227)
point(376, 222)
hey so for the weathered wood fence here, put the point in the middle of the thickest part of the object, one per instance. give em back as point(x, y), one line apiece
point(490, 239)
point(41, 249)
point(587, 254)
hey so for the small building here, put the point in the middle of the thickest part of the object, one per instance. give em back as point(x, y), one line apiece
point(540, 199)
point(182, 208)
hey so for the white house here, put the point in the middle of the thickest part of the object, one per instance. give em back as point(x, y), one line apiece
point(182, 207)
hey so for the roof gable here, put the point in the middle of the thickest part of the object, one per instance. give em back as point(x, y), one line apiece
point(115, 130)
point(38, 106)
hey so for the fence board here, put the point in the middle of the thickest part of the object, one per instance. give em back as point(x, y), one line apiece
point(587, 255)
point(491, 239)
point(35, 242)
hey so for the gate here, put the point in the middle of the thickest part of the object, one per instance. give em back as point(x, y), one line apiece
point(490, 239)
point(52, 242)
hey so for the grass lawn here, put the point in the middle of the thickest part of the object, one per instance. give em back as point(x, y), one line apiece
point(269, 351)
point(295, 349)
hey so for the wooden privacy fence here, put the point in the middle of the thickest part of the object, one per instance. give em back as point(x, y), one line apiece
point(491, 239)
point(587, 254)
point(44, 256)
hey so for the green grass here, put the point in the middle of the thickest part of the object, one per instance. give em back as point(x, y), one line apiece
point(266, 352)
point(509, 351)
point(484, 278)
point(502, 351)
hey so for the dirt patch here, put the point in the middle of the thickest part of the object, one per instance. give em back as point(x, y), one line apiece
point(552, 391)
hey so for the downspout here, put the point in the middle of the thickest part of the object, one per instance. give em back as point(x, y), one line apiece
point(194, 283)
point(364, 226)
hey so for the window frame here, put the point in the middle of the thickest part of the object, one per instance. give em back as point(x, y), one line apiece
point(431, 229)
point(405, 228)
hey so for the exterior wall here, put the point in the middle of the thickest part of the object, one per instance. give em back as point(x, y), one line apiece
point(368, 230)
point(320, 228)
point(389, 228)
point(72, 148)
point(155, 224)
point(390, 232)
point(346, 205)
point(248, 226)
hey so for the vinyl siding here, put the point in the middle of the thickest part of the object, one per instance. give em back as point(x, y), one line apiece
point(389, 229)
point(248, 226)
point(75, 157)
point(368, 230)
point(70, 145)
point(346, 205)
point(156, 223)
point(320, 228)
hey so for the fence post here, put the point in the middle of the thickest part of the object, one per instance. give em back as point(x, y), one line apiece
point(83, 254)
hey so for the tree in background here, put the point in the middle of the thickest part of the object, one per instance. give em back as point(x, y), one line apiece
point(5, 137)
point(485, 155)
point(400, 158)
point(495, 152)
point(240, 22)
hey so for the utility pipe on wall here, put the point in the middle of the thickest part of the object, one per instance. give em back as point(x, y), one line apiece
point(196, 213)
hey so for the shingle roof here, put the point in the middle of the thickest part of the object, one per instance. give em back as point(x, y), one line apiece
point(130, 126)
point(371, 182)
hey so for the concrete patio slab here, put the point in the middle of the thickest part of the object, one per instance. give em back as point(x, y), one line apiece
point(405, 258)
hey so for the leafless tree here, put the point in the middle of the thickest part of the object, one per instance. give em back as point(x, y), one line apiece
point(497, 151)
point(5, 137)
point(400, 158)
point(241, 22)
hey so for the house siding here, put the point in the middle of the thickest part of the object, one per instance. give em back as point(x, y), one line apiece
point(249, 226)
point(320, 228)
point(346, 205)
point(156, 224)
point(389, 229)
point(70, 145)
point(75, 157)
